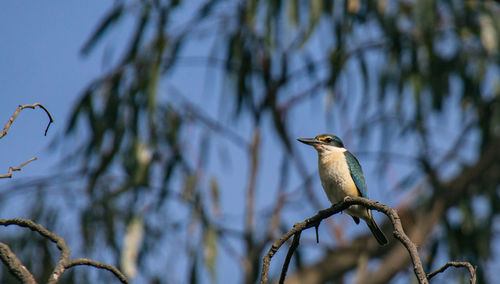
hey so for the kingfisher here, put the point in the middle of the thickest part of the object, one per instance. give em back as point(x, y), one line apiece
point(341, 175)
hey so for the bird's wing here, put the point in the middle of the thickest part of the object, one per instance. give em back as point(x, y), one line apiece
point(356, 173)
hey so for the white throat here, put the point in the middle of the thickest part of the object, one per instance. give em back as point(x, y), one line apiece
point(325, 149)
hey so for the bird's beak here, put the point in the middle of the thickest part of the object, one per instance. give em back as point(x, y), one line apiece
point(308, 141)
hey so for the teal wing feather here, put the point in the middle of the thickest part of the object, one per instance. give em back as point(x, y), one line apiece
point(356, 173)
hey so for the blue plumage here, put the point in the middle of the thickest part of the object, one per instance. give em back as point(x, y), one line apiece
point(356, 173)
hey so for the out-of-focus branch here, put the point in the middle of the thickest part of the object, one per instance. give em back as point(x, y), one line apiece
point(13, 169)
point(14, 265)
point(251, 266)
point(16, 113)
point(64, 261)
point(472, 270)
point(314, 221)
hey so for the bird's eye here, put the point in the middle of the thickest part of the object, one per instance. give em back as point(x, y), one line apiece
point(328, 140)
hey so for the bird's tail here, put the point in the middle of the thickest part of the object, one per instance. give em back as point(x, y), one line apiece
point(377, 233)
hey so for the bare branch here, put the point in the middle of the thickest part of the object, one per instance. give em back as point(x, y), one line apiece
point(291, 250)
point(472, 270)
point(14, 265)
point(7, 127)
point(96, 264)
point(64, 261)
point(60, 242)
point(16, 113)
point(336, 208)
point(13, 169)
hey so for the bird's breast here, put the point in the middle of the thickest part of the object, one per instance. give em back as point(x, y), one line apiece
point(335, 176)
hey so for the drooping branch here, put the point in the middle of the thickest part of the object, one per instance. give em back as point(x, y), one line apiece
point(16, 113)
point(314, 221)
point(64, 261)
point(96, 264)
point(472, 270)
point(291, 250)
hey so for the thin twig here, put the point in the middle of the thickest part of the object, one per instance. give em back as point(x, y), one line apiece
point(315, 220)
point(64, 261)
point(16, 113)
point(472, 270)
point(13, 169)
point(291, 250)
point(14, 265)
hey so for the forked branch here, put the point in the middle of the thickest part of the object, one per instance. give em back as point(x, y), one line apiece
point(21, 273)
point(315, 220)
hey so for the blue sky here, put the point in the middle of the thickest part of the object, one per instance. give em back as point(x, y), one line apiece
point(40, 62)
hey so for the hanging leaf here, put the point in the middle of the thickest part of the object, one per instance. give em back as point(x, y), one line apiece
point(215, 194)
point(293, 12)
point(131, 246)
point(190, 183)
point(210, 251)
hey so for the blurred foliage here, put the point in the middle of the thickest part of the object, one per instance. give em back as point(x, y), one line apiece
point(413, 60)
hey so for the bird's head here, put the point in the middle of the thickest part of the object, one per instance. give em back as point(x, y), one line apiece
point(325, 143)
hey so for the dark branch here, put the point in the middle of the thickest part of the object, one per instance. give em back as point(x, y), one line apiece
point(13, 169)
point(334, 209)
point(14, 265)
point(291, 250)
point(472, 270)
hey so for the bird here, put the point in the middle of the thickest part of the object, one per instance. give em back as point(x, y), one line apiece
point(341, 176)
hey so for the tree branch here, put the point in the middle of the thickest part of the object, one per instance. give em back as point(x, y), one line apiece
point(391, 213)
point(13, 169)
point(7, 127)
point(291, 250)
point(99, 265)
point(64, 261)
point(14, 265)
point(472, 270)
point(419, 222)
point(16, 113)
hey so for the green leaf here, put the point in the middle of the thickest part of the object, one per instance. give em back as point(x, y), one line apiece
point(215, 194)
point(190, 183)
point(131, 246)
point(315, 10)
point(293, 12)
point(210, 251)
